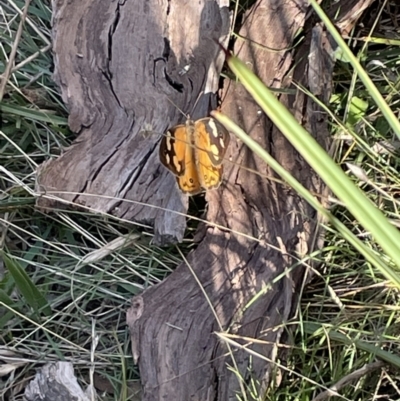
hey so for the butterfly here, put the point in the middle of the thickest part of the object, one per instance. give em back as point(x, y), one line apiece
point(194, 152)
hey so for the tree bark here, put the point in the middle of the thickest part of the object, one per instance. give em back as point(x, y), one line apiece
point(56, 382)
point(119, 64)
point(247, 275)
point(269, 228)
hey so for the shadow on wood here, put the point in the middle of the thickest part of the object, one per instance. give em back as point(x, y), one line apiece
point(269, 228)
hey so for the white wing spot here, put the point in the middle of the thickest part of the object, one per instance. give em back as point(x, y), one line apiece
point(214, 129)
point(169, 141)
point(177, 165)
point(215, 151)
point(221, 143)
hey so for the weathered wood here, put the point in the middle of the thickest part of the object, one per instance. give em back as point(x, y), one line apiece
point(57, 382)
point(117, 63)
point(172, 324)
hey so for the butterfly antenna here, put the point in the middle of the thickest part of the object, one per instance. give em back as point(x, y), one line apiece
point(197, 101)
point(177, 107)
point(194, 106)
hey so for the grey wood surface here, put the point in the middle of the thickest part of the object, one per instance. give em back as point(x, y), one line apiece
point(117, 64)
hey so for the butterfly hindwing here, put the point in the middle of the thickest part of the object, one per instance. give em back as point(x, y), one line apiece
point(214, 138)
point(189, 182)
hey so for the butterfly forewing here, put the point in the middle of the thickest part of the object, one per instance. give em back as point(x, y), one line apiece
point(214, 139)
point(173, 149)
point(176, 153)
point(210, 174)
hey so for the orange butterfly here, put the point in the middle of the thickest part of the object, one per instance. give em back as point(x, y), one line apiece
point(194, 152)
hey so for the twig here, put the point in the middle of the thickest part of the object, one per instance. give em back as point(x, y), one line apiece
point(30, 23)
point(8, 69)
point(333, 390)
point(31, 58)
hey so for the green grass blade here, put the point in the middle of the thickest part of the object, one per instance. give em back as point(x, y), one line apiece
point(367, 81)
point(27, 288)
point(357, 203)
point(319, 329)
point(301, 190)
point(5, 299)
point(5, 316)
point(33, 114)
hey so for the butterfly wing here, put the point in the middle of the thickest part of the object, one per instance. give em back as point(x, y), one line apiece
point(211, 143)
point(177, 155)
point(214, 138)
point(189, 183)
point(173, 149)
